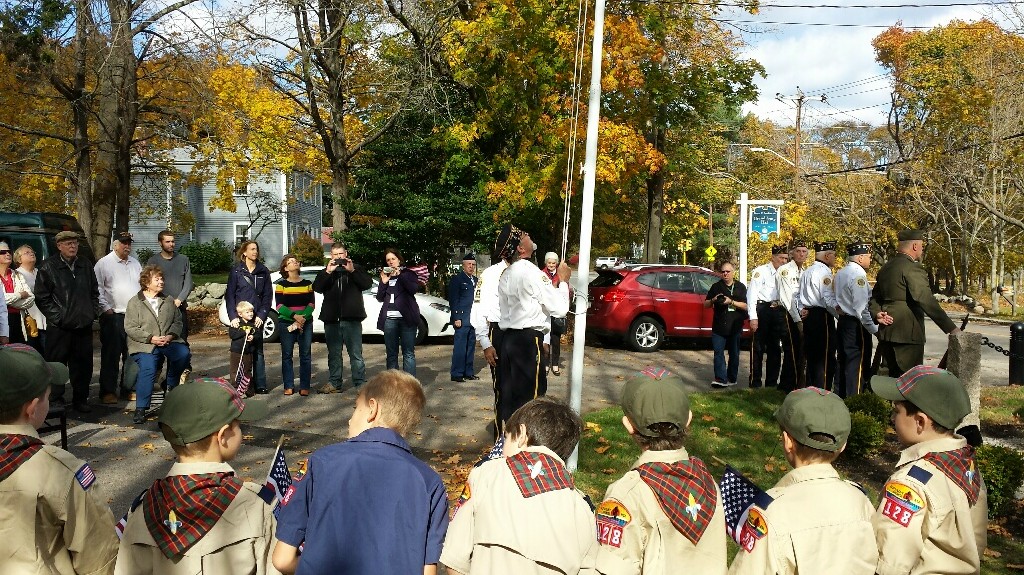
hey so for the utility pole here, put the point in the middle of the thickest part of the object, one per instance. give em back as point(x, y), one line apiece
point(799, 101)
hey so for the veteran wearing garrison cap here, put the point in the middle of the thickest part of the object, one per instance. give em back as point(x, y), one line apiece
point(461, 291)
point(817, 305)
point(787, 280)
point(767, 319)
point(855, 327)
point(902, 297)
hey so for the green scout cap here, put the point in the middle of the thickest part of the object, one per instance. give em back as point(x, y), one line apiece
point(655, 396)
point(814, 410)
point(26, 375)
point(934, 391)
point(197, 410)
point(910, 235)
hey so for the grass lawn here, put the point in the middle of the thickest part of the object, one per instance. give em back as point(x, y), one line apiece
point(218, 278)
point(738, 427)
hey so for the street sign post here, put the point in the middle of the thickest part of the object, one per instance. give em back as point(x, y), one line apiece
point(745, 203)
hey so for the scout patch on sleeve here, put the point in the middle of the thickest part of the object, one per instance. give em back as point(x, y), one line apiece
point(612, 518)
point(827, 281)
point(85, 477)
point(754, 529)
point(862, 282)
point(463, 498)
point(901, 503)
point(302, 470)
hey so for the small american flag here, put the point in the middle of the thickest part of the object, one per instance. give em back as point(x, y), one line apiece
point(85, 476)
point(279, 482)
point(739, 494)
point(422, 273)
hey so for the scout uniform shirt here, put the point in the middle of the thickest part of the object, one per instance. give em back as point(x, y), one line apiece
point(53, 518)
point(199, 519)
point(636, 534)
point(520, 515)
point(933, 517)
point(815, 523)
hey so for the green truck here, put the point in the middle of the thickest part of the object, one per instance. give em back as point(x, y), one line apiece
point(37, 229)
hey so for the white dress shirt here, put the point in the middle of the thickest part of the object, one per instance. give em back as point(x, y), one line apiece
point(853, 294)
point(118, 281)
point(485, 303)
point(527, 299)
point(787, 281)
point(816, 289)
point(762, 288)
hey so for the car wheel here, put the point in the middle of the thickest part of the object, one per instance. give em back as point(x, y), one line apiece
point(604, 266)
point(645, 334)
point(421, 332)
point(270, 332)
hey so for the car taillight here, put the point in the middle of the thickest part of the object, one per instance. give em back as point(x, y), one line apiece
point(614, 295)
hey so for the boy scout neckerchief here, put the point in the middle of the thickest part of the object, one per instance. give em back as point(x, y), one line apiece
point(959, 467)
point(181, 509)
point(16, 449)
point(686, 493)
point(537, 473)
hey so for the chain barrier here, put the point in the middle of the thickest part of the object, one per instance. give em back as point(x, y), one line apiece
point(998, 348)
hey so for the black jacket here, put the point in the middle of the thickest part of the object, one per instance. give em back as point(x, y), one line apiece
point(68, 295)
point(343, 294)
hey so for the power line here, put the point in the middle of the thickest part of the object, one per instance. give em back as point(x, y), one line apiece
point(834, 25)
point(854, 83)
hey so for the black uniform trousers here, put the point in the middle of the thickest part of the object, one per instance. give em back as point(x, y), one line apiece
point(73, 348)
point(520, 373)
point(792, 357)
point(113, 351)
point(494, 334)
point(820, 347)
point(854, 356)
point(767, 344)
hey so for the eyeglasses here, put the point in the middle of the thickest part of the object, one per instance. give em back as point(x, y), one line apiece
point(5, 252)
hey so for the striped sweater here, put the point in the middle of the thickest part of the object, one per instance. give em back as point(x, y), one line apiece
point(293, 298)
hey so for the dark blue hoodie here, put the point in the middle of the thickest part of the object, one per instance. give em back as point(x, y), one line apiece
point(254, 288)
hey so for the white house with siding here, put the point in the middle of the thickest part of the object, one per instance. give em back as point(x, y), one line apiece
point(273, 210)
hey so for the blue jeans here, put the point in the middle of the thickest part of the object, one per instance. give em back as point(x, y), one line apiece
point(288, 340)
point(178, 357)
point(340, 335)
point(395, 333)
point(721, 343)
point(259, 367)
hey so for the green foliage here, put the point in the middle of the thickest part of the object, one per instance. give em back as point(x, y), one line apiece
point(871, 405)
point(210, 257)
point(1002, 469)
point(144, 254)
point(867, 435)
point(309, 251)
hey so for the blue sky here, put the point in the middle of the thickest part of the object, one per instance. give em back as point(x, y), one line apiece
point(835, 59)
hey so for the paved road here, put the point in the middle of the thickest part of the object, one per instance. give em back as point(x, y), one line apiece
point(127, 458)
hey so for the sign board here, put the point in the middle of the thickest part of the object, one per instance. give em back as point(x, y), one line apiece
point(710, 252)
point(764, 221)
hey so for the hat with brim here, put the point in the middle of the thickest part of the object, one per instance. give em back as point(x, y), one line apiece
point(198, 409)
point(653, 396)
point(66, 235)
point(934, 391)
point(811, 411)
point(26, 375)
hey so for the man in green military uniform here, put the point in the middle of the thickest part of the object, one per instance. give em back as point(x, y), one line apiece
point(899, 302)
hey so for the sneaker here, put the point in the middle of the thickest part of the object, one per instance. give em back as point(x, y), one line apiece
point(326, 388)
point(109, 399)
point(722, 384)
point(139, 417)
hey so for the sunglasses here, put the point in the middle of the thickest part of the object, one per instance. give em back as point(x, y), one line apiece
point(5, 252)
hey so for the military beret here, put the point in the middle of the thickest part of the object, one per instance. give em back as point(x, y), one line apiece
point(858, 248)
point(910, 235)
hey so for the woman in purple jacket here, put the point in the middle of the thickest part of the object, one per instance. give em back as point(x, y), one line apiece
point(400, 314)
point(249, 280)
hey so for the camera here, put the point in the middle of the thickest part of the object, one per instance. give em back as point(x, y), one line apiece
point(388, 270)
point(720, 297)
point(340, 262)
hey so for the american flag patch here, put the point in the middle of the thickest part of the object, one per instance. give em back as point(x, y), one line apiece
point(85, 477)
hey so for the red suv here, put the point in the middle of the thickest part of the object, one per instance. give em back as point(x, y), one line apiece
point(645, 304)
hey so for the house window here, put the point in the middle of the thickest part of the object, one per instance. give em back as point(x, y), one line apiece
point(241, 232)
point(300, 184)
point(239, 187)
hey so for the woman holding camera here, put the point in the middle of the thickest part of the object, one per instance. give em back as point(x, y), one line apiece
point(400, 315)
point(729, 299)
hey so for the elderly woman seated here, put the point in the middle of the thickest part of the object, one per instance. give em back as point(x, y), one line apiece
point(153, 325)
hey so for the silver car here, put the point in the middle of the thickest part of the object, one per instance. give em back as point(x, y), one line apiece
point(435, 314)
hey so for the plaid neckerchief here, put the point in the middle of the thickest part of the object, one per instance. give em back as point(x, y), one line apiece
point(181, 509)
point(16, 449)
point(686, 493)
point(958, 465)
point(537, 473)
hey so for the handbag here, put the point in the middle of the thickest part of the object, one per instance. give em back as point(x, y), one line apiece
point(31, 326)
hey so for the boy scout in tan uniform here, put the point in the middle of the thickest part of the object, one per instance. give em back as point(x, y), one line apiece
point(665, 514)
point(816, 522)
point(933, 517)
point(53, 518)
point(520, 514)
point(201, 518)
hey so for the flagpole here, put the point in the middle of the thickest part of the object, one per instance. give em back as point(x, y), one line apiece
point(587, 221)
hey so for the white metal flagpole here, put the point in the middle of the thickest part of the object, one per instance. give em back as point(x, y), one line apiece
point(587, 221)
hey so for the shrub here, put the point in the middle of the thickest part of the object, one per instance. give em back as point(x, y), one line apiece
point(309, 251)
point(1002, 469)
point(208, 258)
point(867, 436)
point(871, 405)
point(144, 254)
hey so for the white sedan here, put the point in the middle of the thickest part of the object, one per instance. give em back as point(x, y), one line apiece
point(435, 314)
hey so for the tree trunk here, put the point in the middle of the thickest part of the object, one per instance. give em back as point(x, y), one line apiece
point(339, 191)
point(655, 204)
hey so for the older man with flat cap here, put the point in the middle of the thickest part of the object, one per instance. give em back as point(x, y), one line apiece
point(902, 297)
point(526, 301)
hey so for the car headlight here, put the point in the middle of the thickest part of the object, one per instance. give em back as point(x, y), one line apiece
point(441, 307)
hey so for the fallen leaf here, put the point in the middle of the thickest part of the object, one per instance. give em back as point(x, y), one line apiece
point(757, 437)
point(593, 426)
point(602, 439)
point(769, 467)
point(148, 446)
point(248, 437)
point(760, 424)
point(602, 449)
point(738, 414)
point(707, 417)
point(86, 444)
point(992, 552)
point(714, 430)
point(1015, 566)
point(608, 471)
point(453, 459)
